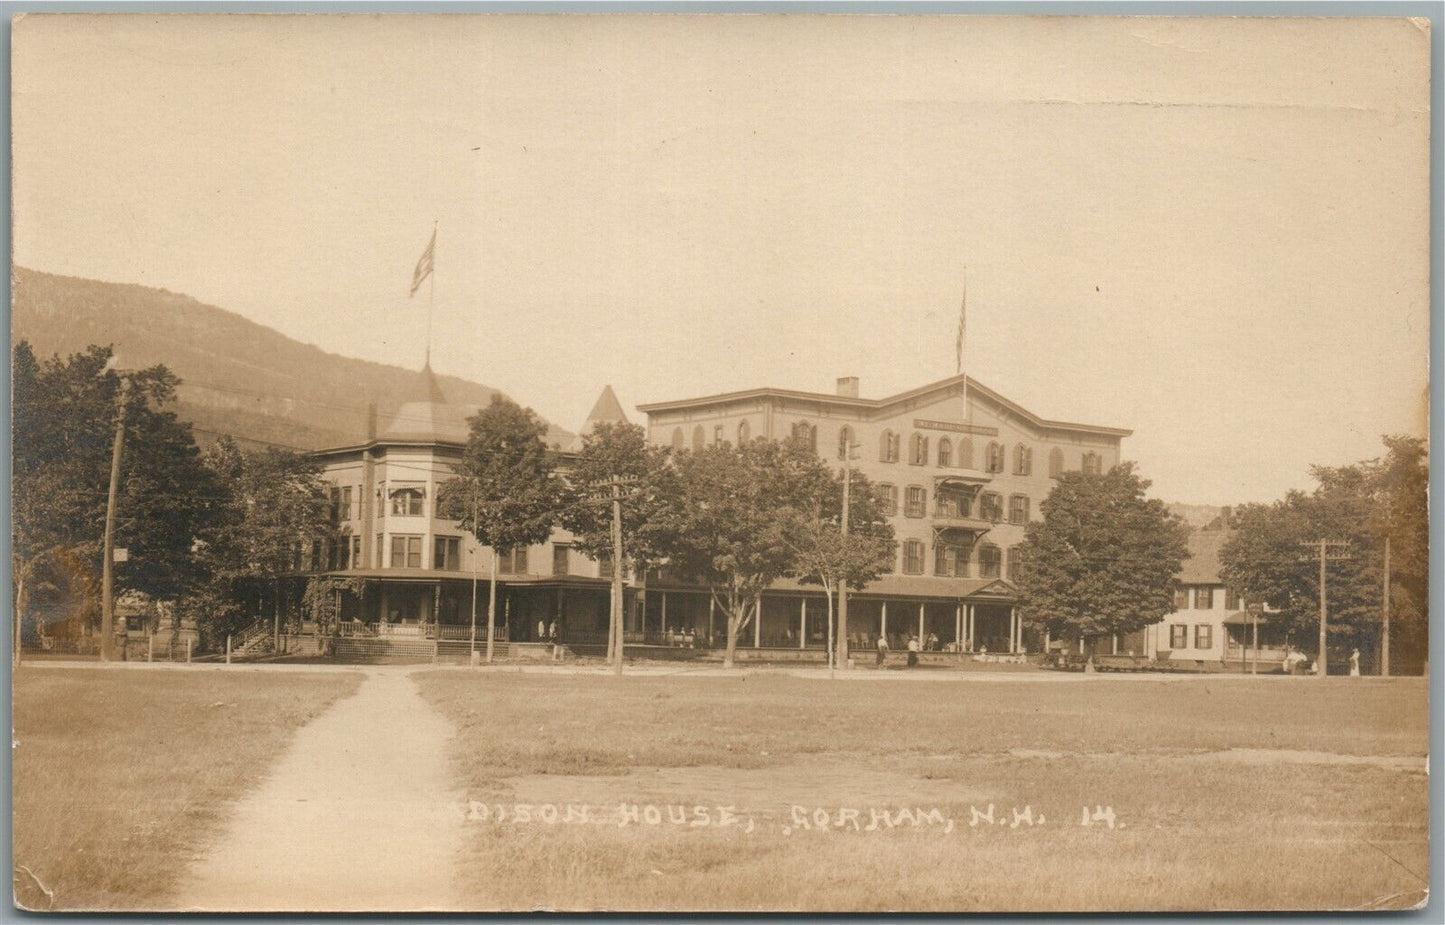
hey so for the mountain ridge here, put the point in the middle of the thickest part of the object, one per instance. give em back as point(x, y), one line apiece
point(238, 376)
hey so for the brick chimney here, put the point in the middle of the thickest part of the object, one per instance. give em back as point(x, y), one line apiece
point(848, 386)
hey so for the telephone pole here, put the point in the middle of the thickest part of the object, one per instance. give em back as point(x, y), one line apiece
point(1385, 604)
point(107, 566)
point(841, 657)
point(616, 621)
point(1324, 546)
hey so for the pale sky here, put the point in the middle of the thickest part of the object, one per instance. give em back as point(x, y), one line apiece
point(1214, 232)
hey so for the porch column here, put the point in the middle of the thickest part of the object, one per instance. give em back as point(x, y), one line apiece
point(1047, 640)
point(711, 609)
point(921, 608)
point(958, 629)
point(1114, 644)
point(883, 621)
point(758, 626)
point(802, 622)
point(1013, 631)
point(971, 643)
point(663, 628)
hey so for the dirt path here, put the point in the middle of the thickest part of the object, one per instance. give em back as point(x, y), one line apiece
point(358, 815)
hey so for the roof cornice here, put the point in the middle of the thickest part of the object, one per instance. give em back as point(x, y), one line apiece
point(875, 407)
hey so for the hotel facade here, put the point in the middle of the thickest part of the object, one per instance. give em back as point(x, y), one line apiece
point(963, 471)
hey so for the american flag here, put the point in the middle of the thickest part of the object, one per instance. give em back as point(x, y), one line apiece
point(424, 265)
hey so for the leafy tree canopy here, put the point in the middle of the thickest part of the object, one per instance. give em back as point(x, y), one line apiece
point(616, 450)
point(504, 493)
point(1103, 559)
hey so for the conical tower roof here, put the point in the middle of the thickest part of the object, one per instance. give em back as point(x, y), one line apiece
point(607, 410)
point(425, 416)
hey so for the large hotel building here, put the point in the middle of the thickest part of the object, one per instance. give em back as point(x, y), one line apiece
point(963, 468)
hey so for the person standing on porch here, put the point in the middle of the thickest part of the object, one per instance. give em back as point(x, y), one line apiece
point(882, 650)
point(912, 650)
point(542, 630)
point(1355, 664)
point(552, 631)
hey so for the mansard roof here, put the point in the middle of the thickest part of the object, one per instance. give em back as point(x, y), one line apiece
point(426, 416)
point(874, 408)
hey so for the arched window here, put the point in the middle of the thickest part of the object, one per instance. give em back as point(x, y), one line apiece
point(745, 433)
point(888, 447)
point(677, 440)
point(965, 453)
point(699, 439)
point(990, 561)
point(845, 441)
point(913, 557)
point(993, 459)
point(918, 450)
point(407, 502)
point(806, 434)
point(945, 452)
point(1092, 463)
point(1023, 460)
point(1056, 463)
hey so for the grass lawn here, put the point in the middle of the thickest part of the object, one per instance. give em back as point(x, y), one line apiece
point(121, 774)
point(1226, 793)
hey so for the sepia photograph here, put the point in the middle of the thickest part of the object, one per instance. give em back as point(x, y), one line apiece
point(777, 463)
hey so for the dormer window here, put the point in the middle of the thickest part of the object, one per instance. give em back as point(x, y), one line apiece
point(407, 502)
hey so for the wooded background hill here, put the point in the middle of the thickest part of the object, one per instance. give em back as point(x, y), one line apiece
point(237, 377)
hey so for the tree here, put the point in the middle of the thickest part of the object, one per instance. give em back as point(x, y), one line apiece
point(616, 455)
point(277, 506)
point(1268, 556)
point(1103, 559)
point(824, 555)
point(65, 413)
point(504, 493)
point(727, 515)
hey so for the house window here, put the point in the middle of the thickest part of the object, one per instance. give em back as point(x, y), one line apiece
point(1203, 636)
point(915, 503)
point(717, 435)
point(1204, 598)
point(912, 557)
point(334, 508)
point(918, 450)
point(945, 452)
point(1023, 460)
point(993, 458)
point(845, 442)
point(561, 563)
point(1056, 463)
point(1092, 464)
point(406, 502)
point(745, 432)
point(888, 447)
point(1012, 563)
point(406, 552)
point(806, 434)
point(447, 553)
point(965, 453)
point(379, 550)
point(604, 565)
point(677, 440)
point(888, 499)
point(1231, 599)
point(1018, 509)
point(990, 506)
point(513, 561)
point(699, 439)
point(1179, 636)
point(1181, 598)
point(944, 559)
point(990, 562)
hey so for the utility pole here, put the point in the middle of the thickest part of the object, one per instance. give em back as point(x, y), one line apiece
point(616, 620)
point(107, 567)
point(472, 651)
point(841, 659)
point(1385, 604)
point(1323, 545)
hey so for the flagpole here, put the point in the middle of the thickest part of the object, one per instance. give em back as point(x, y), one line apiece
point(431, 289)
point(962, 330)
